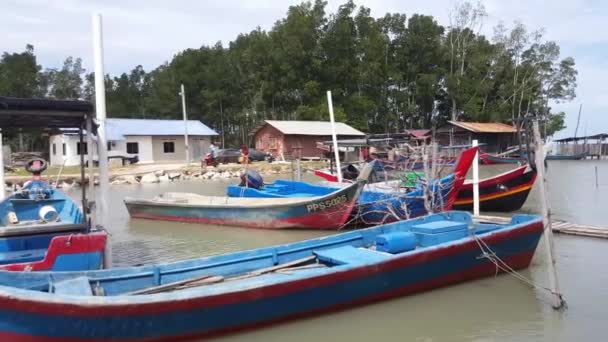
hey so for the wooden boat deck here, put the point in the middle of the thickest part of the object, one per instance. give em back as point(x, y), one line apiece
point(557, 226)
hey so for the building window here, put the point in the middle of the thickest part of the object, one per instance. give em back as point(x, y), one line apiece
point(169, 147)
point(54, 149)
point(272, 143)
point(132, 147)
point(109, 146)
point(81, 148)
point(63, 149)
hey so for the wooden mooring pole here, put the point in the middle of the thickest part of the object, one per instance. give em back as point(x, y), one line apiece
point(557, 298)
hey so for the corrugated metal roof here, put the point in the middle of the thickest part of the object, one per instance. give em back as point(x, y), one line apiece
point(321, 128)
point(117, 129)
point(485, 127)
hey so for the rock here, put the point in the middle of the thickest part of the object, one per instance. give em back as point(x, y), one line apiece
point(216, 175)
point(159, 173)
point(174, 175)
point(149, 178)
point(125, 179)
point(164, 178)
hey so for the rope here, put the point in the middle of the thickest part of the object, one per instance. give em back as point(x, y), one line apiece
point(500, 264)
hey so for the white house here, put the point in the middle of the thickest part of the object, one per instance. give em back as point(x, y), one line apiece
point(150, 140)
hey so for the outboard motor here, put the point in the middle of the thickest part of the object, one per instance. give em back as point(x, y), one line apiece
point(252, 179)
point(350, 172)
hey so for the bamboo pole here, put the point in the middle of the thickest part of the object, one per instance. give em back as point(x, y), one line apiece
point(185, 115)
point(333, 136)
point(476, 180)
point(557, 299)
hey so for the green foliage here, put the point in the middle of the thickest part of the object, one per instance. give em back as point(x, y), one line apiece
point(385, 74)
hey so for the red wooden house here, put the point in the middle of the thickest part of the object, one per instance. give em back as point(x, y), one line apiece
point(287, 139)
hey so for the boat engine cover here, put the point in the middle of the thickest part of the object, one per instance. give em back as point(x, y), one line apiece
point(252, 179)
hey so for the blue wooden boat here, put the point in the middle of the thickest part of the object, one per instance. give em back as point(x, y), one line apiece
point(222, 294)
point(330, 210)
point(40, 227)
point(373, 206)
point(43, 229)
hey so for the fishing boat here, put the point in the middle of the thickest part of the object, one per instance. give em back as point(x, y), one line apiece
point(579, 156)
point(374, 207)
point(223, 294)
point(41, 228)
point(327, 211)
point(490, 159)
point(505, 192)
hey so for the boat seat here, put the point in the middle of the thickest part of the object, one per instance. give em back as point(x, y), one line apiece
point(22, 256)
point(350, 255)
point(33, 227)
point(78, 286)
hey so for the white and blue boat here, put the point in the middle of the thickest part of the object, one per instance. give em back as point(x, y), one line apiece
point(225, 293)
point(373, 206)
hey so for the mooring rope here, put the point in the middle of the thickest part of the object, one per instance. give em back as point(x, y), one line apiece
point(500, 264)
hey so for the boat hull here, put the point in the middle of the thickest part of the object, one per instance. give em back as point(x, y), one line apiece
point(184, 318)
point(327, 212)
point(490, 159)
point(565, 157)
point(503, 193)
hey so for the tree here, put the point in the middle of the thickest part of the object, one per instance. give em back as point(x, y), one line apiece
point(19, 74)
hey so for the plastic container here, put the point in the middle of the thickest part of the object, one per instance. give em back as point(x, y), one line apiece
point(397, 242)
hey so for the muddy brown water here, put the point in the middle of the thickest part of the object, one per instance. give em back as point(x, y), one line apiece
point(492, 309)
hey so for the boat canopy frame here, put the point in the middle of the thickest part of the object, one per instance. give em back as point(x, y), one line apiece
point(51, 115)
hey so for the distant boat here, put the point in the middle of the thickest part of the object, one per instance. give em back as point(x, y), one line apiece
point(43, 229)
point(328, 211)
point(222, 294)
point(566, 157)
point(489, 159)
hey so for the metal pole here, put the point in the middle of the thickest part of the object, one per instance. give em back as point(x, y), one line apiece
point(2, 186)
point(185, 114)
point(558, 301)
point(476, 180)
point(597, 184)
point(100, 110)
point(333, 136)
point(90, 144)
point(83, 148)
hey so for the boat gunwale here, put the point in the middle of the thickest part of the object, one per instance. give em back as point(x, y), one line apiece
point(299, 202)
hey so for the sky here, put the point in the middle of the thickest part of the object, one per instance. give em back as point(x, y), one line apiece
point(150, 32)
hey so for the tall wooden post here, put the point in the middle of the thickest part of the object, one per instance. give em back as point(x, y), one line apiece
point(557, 299)
point(476, 180)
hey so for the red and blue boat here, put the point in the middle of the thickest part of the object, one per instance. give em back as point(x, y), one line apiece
point(505, 192)
point(327, 211)
point(41, 228)
point(222, 294)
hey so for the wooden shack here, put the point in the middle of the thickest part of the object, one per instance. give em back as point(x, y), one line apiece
point(494, 137)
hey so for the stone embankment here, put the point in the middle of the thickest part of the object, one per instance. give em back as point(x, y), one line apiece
point(144, 174)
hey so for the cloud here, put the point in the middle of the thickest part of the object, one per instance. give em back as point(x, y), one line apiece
point(151, 32)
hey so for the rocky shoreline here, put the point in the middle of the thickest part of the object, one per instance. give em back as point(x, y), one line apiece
point(162, 175)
